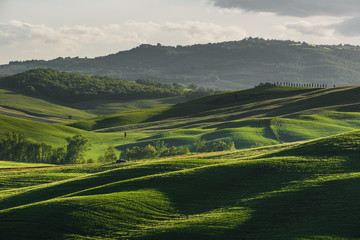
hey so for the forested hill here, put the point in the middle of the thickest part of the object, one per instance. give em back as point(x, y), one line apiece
point(231, 65)
point(71, 87)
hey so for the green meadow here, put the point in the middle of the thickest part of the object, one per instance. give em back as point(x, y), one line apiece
point(289, 191)
point(13, 165)
point(15, 102)
point(250, 118)
point(10, 100)
point(295, 173)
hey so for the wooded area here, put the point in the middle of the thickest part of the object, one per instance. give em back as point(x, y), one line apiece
point(71, 87)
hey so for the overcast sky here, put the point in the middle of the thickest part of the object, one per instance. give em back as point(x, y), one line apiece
point(46, 29)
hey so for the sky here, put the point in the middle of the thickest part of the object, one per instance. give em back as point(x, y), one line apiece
point(47, 29)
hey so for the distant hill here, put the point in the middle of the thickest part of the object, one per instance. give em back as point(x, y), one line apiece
point(226, 65)
point(71, 87)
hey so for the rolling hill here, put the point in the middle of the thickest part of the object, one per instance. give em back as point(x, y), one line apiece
point(71, 88)
point(16, 102)
point(250, 118)
point(59, 96)
point(277, 192)
point(227, 65)
point(253, 117)
point(294, 176)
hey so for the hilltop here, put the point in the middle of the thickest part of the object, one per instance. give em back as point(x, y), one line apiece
point(226, 65)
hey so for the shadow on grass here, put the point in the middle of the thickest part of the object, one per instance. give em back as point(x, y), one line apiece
point(327, 208)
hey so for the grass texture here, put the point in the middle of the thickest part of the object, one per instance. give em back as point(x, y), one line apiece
point(251, 118)
point(302, 190)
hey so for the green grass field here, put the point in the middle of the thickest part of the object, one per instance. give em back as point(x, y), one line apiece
point(31, 105)
point(38, 107)
point(12, 165)
point(302, 190)
point(245, 134)
point(112, 107)
point(251, 118)
point(295, 175)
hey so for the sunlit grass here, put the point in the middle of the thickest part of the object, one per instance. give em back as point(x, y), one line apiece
point(229, 195)
point(39, 107)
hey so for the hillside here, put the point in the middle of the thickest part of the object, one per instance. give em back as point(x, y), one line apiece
point(72, 88)
point(263, 107)
point(250, 118)
point(263, 193)
point(16, 102)
point(226, 65)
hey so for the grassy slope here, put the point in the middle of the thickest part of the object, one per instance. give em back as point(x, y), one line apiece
point(112, 107)
point(55, 134)
point(249, 133)
point(245, 104)
point(292, 191)
point(254, 117)
point(12, 165)
point(38, 107)
point(250, 118)
point(10, 100)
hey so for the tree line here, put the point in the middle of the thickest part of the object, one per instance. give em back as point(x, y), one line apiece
point(291, 84)
point(19, 148)
point(157, 149)
point(160, 149)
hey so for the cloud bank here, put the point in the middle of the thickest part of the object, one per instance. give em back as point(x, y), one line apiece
point(66, 37)
point(350, 27)
point(349, 9)
point(303, 8)
point(74, 37)
point(308, 28)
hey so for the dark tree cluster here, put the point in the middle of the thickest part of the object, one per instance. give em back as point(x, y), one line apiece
point(265, 85)
point(158, 149)
point(215, 146)
point(19, 148)
point(70, 87)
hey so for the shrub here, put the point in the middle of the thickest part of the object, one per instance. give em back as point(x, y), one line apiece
point(158, 150)
point(215, 146)
point(109, 155)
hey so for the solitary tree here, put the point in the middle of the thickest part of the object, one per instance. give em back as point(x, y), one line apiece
point(76, 148)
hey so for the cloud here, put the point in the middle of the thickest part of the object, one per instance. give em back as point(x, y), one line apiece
point(308, 28)
point(66, 37)
point(296, 8)
point(339, 9)
point(349, 27)
point(72, 38)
